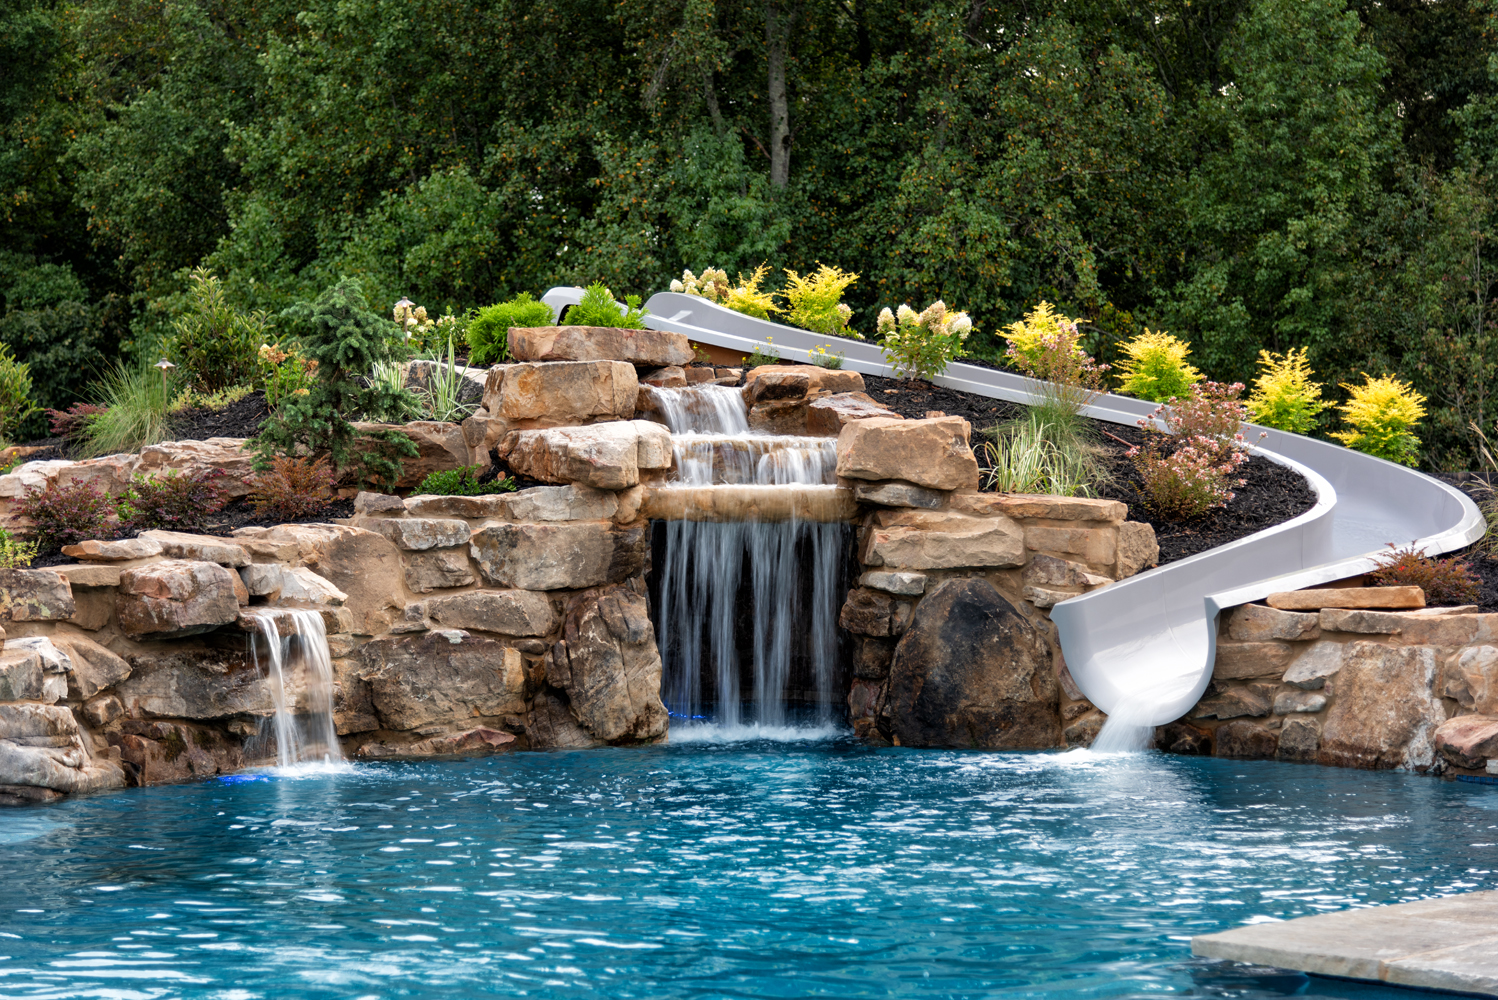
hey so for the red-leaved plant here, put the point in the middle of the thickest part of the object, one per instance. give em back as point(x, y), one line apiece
point(172, 502)
point(70, 424)
point(293, 488)
point(1189, 470)
point(65, 514)
point(1446, 582)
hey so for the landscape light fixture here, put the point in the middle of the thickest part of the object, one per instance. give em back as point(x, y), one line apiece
point(165, 367)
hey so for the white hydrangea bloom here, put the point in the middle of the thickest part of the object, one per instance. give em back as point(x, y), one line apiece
point(677, 286)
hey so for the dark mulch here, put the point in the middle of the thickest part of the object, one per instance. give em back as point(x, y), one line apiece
point(913, 399)
point(237, 420)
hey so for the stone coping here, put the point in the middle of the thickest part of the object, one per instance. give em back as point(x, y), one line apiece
point(1446, 944)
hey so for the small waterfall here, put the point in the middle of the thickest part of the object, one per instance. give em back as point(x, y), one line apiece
point(792, 593)
point(298, 669)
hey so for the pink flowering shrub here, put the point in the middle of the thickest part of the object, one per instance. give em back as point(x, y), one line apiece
point(1189, 470)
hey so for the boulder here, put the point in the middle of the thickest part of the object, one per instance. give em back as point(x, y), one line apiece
point(510, 612)
point(872, 657)
point(873, 613)
point(1474, 683)
point(563, 503)
point(479, 742)
point(608, 664)
point(103, 710)
point(670, 377)
point(92, 667)
point(416, 534)
point(1317, 662)
point(290, 583)
point(1319, 598)
point(22, 677)
point(35, 595)
point(31, 476)
point(365, 566)
point(971, 671)
point(175, 597)
point(1138, 549)
point(605, 456)
point(1385, 713)
point(1299, 740)
point(199, 548)
point(1082, 732)
point(1246, 740)
point(109, 474)
point(552, 725)
point(481, 433)
point(166, 753)
point(89, 575)
point(378, 504)
point(41, 746)
point(898, 494)
point(1414, 628)
point(438, 569)
point(1038, 506)
point(228, 455)
point(1468, 741)
point(440, 447)
point(561, 394)
point(894, 582)
point(442, 677)
point(646, 348)
point(431, 505)
point(957, 541)
point(118, 550)
point(827, 415)
point(1289, 702)
point(1095, 545)
point(187, 681)
point(798, 382)
point(1184, 738)
point(564, 556)
point(1250, 701)
point(1241, 660)
point(1051, 571)
point(1257, 623)
point(933, 453)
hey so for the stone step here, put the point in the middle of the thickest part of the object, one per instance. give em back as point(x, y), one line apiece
point(749, 503)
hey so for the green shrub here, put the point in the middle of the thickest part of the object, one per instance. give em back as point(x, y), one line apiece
point(15, 393)
point(14, 553)
point(822, 358)
point(921, 345)
point(193, 399)
point(285, 372)
point(1384, 413)
point(489, 329)
point(816, 301)
point(1188, 471)
point(1046, 346)
point(1154, 367)
point(1445, 581)
point(65, 514)
point(339, 332)
point(135, 402)
point(215, 343)
point(175, 501)
point(461, 482)
point(598, 308)
point(1284, 396)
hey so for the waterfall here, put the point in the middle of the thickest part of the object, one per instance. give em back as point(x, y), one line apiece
point(298, 669)
point(780, 580)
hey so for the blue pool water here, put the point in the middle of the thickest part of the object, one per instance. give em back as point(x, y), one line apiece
point(752, 869)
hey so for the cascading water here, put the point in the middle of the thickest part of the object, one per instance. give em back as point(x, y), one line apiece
point(298, 669)
point(781, 579)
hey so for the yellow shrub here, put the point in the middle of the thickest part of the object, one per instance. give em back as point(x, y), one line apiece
point(1026, 337)
point(816, 301)
point(1155, 368)
point(1284, 396)
point(1384, 413)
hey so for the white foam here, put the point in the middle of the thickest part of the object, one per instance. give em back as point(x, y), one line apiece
point(712, 732)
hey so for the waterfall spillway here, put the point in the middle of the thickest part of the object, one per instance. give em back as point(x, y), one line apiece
point(298, 670)
point(746, 607)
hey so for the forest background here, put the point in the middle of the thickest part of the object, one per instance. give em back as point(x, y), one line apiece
point(1249, 174)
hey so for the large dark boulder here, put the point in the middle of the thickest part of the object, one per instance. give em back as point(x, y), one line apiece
point(971, 671)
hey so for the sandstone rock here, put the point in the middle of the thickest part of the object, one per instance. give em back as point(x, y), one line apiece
point(511, 612)
point(1315, 664)
point(89, 575)
point(564, 556)
point(1234, 703)
point(113, 551)
point(226, 454)
point(481, 433)
point(199, 548)
point(608, 664)
point(670, 377)
point(1244, 739)
point(1299, 740)
point(193, 682)
point(562, 503)
point(421, 533)
point(1082, 732)
point(697, 374)
point(1044, 598)
point(429, 678)
point(290, 583)
point(870, 612)
point(34, 595)
point(92, 667)
point(1184, 738)
point(41, 746)
point(561, 394)
point(31, 476)
point(479, 742)
point(960, 542)
point(1468, 740)
point(1256, 623)
point(1288, 702)
point(1050, 571)
point(163, 753)
point(898, 494)
point(728, 376)
point(1317, 599)
point(1475, 684)
point(1412, 627)
point(786, 381)
point(365, 566)
point(440, 447)
point(109, 474)
point(931, 453)
point(605, 456)
point(971, 671)
point(488, 505)
point(378, 503)
point(1039, 506)
point(1098, 546)
point(1385, 712)
point(905, 584)
point(872, 657)
point(21, 676)
point(437, 569)
point(647, 348)
point(551, 724)
point(103, 710)
point(780, 416)
point(1138, 549)
point(863, 705)
point(1241, 660)
point(827, 415)
point(175, 597)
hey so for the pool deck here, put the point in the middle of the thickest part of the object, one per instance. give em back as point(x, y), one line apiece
point(1436, 944)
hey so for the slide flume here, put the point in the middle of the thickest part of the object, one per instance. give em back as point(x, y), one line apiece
point(1142, 649)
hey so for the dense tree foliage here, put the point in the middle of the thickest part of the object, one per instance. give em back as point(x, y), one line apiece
point(1248, 174)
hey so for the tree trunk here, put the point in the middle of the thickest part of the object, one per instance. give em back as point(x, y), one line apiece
point(777, 38)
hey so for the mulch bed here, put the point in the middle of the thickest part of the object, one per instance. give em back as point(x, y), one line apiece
point(237, 420)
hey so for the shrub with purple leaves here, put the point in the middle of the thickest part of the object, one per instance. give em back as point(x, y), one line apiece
point(70, 424)
point(293, 488)
point(1445, 581)
point(65, 514)
point(172, 502)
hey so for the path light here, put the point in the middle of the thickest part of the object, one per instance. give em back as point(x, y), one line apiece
point(165, 367)
point(403, 315)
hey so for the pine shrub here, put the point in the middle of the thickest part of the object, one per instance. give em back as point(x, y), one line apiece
point(1154, 367)
point(1384, 413)
point(1284, 396)
point(489, 329)
point(293, 488)
point(1446, 582)
point(65, 514)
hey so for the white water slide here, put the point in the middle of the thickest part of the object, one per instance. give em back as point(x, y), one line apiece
point(1142, 649)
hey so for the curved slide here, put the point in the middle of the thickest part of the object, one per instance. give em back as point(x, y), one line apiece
point(1142, 649)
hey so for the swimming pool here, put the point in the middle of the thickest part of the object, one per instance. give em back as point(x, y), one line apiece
point(751, 869)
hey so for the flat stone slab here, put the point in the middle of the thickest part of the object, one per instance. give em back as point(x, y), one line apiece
point(1347, 597)
point(1435, 944)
